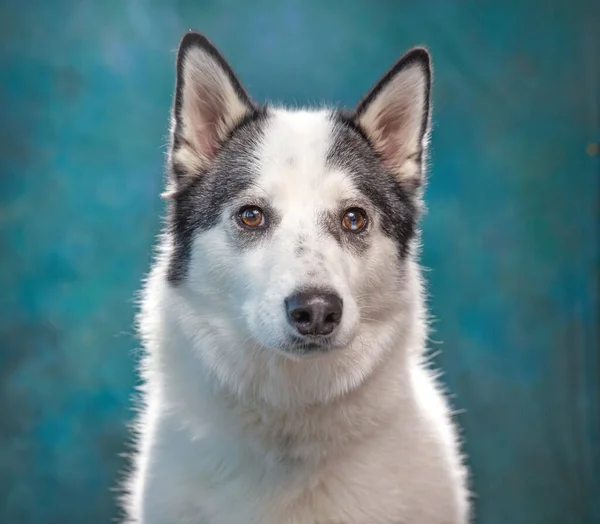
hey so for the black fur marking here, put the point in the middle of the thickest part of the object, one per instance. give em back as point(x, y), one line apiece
point(331, 223)
point(198, 206)
point(352, 151)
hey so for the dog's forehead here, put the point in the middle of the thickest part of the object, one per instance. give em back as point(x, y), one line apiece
point(293, 159)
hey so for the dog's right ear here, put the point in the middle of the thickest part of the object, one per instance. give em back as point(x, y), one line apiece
point(209, 102)
point(395, 116)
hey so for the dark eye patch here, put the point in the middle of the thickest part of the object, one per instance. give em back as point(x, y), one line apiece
point(245, 237)
point(331, 223)
point(199, 205)
point(397, 208)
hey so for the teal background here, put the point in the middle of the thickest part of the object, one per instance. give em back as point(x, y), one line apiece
point(511, 237)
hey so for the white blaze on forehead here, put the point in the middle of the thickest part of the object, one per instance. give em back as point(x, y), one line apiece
point(293, 161)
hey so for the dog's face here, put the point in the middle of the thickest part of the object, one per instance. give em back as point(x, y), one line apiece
point(294, 225)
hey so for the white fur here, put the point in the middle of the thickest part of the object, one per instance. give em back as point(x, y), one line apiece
point(234, 432)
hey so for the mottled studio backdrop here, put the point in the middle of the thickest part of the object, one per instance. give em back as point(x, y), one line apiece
point(512, 235)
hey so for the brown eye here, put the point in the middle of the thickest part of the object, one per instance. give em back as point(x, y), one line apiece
point(252, 216)
point(354, 220)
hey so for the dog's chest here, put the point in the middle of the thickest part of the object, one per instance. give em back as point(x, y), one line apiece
point(231, 487)
point(402, 473)
point(297, 494)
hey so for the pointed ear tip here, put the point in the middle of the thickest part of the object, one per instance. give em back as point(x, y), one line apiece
point(420, 55)
point(192, 39)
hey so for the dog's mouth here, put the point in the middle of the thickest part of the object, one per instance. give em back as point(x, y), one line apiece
point(308, 346)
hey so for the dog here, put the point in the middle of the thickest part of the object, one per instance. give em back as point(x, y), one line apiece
point(284, 326)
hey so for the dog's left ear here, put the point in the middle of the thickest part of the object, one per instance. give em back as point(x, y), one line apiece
point(395, 116)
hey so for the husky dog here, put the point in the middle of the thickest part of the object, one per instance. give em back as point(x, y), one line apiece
point(284, 322)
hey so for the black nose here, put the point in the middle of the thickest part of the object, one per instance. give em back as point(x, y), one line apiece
point(314, 312)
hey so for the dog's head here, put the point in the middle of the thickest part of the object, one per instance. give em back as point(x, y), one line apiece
point(294, 225)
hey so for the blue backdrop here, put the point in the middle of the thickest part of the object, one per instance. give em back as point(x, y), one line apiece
point(511, 237)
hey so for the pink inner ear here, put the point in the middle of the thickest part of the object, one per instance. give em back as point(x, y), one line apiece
point(207, 122)
point(392, 125)
point(207, 144)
